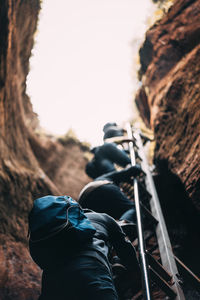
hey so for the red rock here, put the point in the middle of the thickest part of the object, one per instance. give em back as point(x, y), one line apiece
point(169, 98)
point(30, 166)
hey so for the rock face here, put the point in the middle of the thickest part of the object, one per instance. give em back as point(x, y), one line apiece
point(168, 101)
point(169, 97)
point(30, 166)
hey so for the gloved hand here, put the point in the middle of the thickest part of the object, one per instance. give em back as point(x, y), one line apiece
point(135, 171)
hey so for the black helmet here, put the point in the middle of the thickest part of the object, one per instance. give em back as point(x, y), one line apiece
point(107, 125)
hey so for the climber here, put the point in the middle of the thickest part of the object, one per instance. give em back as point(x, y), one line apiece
point(104, 195)
point(112, 130)
point(104, 158)
point(74, 270)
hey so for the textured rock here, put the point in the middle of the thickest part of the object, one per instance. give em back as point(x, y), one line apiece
point(169, 98)
point(64, 163)
point(17, 280)
point(27, 161)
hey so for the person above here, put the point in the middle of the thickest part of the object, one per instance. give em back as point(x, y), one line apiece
point(112, 130)
point(105, 156)
point(76, 268)
point(103, 195)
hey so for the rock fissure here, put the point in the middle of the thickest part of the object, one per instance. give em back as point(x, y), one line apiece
point(34, 164)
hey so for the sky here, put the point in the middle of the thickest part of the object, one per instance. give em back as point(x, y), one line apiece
point(83, 65)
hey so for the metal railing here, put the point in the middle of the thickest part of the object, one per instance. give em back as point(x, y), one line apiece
point(164, 244)
point(141, 243)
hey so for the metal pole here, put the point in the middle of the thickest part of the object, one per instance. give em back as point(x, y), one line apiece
point(166, 253)
point(141, 243)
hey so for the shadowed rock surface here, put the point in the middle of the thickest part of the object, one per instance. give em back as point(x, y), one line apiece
point(33, 165)
point(169, 98)
point(30, 166)
point(169, 104)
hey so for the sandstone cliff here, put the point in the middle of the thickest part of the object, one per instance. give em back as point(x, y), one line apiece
point(169, 104)
point(169, 98)
point(30, 166)
point(33, 166)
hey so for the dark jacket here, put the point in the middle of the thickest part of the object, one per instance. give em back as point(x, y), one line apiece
point(114, 177)
point(111, 233)
point(60, 249)
point(105, 156)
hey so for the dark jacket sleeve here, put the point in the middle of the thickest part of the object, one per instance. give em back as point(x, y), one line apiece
point(121, 244)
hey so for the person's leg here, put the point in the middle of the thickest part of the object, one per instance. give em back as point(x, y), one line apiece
point(108, 199)
point(114, 154)
point(129, 215)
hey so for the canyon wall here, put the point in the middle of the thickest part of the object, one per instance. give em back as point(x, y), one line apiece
point(34, 165)
point(168, 100)
point(169, 104)
point(30, 165)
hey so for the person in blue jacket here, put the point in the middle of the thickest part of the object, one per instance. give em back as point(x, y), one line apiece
point(75, 272)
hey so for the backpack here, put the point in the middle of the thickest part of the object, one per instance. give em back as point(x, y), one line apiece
point(51, 215)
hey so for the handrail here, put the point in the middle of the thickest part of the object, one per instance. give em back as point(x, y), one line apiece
point(167, 256)
point(141, 243)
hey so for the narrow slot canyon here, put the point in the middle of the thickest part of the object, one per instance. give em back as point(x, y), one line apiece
point(34, 163)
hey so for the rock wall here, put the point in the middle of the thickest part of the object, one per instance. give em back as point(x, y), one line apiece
point(30, 166)
point(168, 100)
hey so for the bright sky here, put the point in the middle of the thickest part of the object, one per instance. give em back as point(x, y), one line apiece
point(82, 66)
